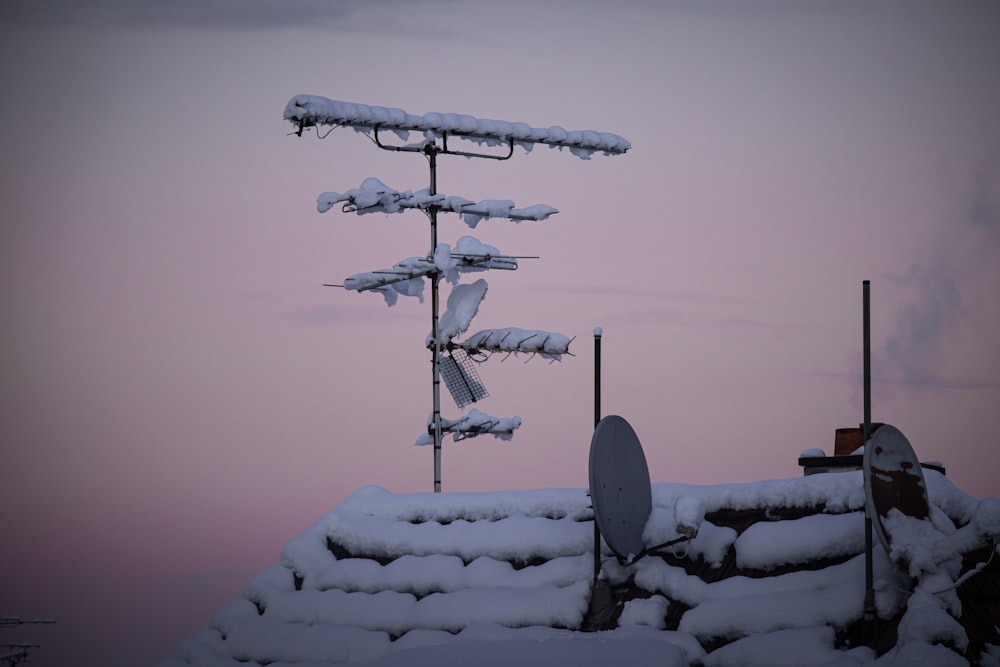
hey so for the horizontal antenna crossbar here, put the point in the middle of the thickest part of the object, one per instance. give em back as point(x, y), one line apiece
point(443, 150)
point(309, 111)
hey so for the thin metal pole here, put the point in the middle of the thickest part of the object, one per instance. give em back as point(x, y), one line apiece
point(869, 611)
point(597, 419)
point(867, 333)
point(431, 151)
point(597, 376)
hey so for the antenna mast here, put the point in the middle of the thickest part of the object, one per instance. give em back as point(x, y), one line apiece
point(868, 617)
point(307, 112)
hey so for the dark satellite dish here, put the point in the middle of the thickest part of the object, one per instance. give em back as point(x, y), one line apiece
point(893, 480)
point(619, 486)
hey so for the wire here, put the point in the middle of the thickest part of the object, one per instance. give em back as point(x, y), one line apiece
point(971, 573)
point(687, 550)
point(979, 567)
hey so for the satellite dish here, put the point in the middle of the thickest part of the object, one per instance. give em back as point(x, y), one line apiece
point(893, 480)
point(619, 486)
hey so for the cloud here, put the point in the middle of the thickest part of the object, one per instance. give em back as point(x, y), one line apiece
point(385, 15)
point(913, 352)
point(983, 210)
point(855, 380)
point(764, 9)
point(913, 355)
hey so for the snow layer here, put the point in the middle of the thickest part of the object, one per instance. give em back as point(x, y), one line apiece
point(463, 304)
point(452, 611)
point(628, 647)
point(738, 606)
point(799, 647)
point(651, 612)
point(504, 578)
point(767, 545)
point(548, 344)
point(309, 110)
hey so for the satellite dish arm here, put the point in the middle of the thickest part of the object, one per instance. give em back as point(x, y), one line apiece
point(649, 551)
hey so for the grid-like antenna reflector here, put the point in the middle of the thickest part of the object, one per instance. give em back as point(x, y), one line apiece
point(461, 378)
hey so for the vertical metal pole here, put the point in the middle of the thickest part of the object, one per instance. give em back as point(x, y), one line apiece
point(867, 326)
point(431, 151)
point(597, 419)
point(869, 611)
point(597, 375)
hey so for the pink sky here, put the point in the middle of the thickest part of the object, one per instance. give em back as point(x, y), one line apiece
point(181, 396)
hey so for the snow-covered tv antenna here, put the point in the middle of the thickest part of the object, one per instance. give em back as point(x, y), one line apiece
point(389, 129)
point(14, 653)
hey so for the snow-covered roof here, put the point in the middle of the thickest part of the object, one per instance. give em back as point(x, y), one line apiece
point(775, 575)
point(310, 110)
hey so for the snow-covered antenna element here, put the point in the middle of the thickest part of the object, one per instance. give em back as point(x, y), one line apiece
point(305, 111)
point(547, 344)
point(435, 129)
point(474, 424)
point(374, 196)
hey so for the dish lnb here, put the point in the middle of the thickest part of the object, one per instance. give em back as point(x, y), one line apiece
point(689, 512)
